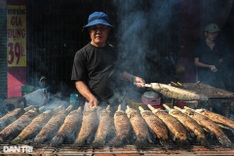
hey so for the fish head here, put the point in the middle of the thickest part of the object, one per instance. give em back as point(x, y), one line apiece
point(201, 110)
point(175, 111)
point(130, 111)
point(146, 113)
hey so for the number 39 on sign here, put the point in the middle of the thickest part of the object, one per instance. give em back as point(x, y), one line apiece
point(16, 54)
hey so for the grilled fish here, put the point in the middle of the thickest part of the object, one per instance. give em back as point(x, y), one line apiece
point(217, 118)
point(123, 128)
point(176, 128)
point(52, 126)
point(209, 125)
point(69, 129)
point(12, 116)
point(88, 127)
point(156, 125)
point(106, 129)
point(189, 123)
point(176, 93)
point(12, 130)
point(35, 126)
point(140, 128)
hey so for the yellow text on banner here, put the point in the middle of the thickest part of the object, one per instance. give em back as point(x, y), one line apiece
point(16, 36)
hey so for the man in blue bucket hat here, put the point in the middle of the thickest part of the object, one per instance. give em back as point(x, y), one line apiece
point(94, 70)
point(98, 18)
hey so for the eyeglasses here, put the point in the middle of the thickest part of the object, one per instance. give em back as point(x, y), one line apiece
point(100, 28)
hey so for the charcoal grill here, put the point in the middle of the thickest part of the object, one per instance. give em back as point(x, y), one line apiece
point(209, 91)
point(153, 149)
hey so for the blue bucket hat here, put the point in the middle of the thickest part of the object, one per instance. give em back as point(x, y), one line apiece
point(98, 18)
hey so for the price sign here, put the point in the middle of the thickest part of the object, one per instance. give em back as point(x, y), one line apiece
point(15, 53)
point(16, 36)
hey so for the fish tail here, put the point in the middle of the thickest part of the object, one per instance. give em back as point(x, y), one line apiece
point(223, 139)
point(17, 140)
point(184, 143)
point(97, 143)
point(57, 140)
point(232, 131)
point(141, 143)
point(204, 142)
point(1, 140)
point(36, 143)
point(116, 142)
point(79, 142)
point(38, 140)
point(166, 143)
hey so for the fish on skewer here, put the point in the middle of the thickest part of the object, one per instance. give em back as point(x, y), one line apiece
point(176, 128)
point(69, 129)
point(88, 127)
point(29, 108)
point(209, 125)
point(189, 123)
point(140, 128)
point(12, 116)
point(157, 126)
point(176, 93)
point(123, 129)
point(217, 118)
point(12, 130)
point(52, 126)
point(35, 126)
point(106, 129)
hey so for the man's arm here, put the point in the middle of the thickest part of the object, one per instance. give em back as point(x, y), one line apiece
point(203, 65)
point(85, 92)
point(132, 78)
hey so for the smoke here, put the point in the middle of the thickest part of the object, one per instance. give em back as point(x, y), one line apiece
point(140, 24)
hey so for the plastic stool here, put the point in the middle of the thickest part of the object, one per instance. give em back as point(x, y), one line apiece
point(14, 102)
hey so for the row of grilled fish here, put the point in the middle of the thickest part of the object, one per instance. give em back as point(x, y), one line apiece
point(140, 127)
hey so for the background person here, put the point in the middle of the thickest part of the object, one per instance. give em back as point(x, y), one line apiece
point(43, 83)
point(209, 58)
point(94, 69)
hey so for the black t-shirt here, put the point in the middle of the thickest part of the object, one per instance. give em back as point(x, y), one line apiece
point(211, 57)
point(95, 66)
point(208, 56)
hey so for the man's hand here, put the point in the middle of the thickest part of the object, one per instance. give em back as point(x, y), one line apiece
point(93, 102)
point(139, 82)
point(213, 68)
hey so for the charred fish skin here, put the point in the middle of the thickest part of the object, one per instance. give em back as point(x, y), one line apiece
point(155, 124)
point(51, 127)
point(157, 127)
point(123, 129)
point(69, 129)
point(217, 118)
point(189, 123)
point(176, 93)
point(140, 128)
point(209, 125)
point(12, 130)
point(105, 130)
point(34, 127)
point(175, 127)
point(88, 127)
point(10, 117)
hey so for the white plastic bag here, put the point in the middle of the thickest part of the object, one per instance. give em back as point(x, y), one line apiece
point(37, 98)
